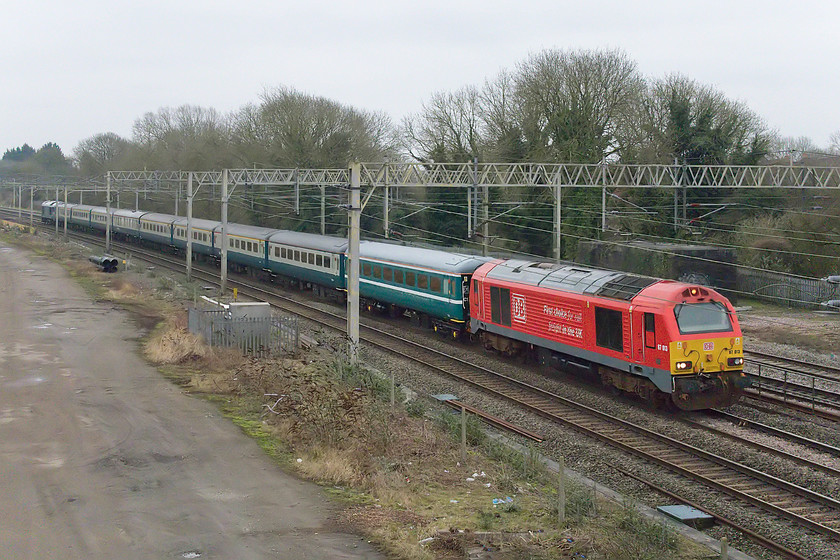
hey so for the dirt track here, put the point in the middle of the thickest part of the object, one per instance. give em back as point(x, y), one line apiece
point(100, 457)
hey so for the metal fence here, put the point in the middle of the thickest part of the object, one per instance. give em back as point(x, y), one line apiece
point(255, 336)
point(786, 289)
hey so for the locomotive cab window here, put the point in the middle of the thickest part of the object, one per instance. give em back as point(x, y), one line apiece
point(695, 318)
point(650, 330)
point(609, 329)
point(500, 305)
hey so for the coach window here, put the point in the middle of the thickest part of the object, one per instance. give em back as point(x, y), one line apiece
point(297, 256)
point(609, 330)
point(377, 271)
point(422, 281)
point(311, 258)
point(319, 260)
point(435, 284)
point(366, 269)
point(327, 262)
point(500, 305)
point(650, 330)
point(409, 278)
point(388, 274)
point(398, 276)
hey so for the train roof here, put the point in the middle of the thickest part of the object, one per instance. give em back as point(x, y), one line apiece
point(255, 232)
point(310, 241)
point(123, 213)
point(156, 217)
point(82, 207)
point(572, 278)
point(198, 223)
point(417, 256)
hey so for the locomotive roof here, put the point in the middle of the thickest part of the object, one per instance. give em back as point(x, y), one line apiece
point(309, 241)
point(572, 278)
point(417, 256)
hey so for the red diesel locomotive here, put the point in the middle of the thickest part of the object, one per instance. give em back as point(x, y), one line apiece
point(667, 342)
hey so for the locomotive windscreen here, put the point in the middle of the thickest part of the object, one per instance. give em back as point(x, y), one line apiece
point(695, 318)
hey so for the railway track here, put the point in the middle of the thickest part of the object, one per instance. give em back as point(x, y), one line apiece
point(767, 449)
point(761, 492)
point(805, 386)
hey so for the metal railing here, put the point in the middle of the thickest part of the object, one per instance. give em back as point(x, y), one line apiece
point(254, 336)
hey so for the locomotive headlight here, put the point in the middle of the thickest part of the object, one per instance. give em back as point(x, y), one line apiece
point(683, 366)
point(735, 361)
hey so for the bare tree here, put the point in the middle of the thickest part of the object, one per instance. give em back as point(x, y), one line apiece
point(834, 142)
point(292, 129)
point(100, 152)
point(448, 128)
point(188, 137)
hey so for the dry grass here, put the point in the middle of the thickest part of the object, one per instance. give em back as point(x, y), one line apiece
point(174, 345)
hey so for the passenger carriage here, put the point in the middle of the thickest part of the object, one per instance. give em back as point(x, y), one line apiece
point(157, 228)
point(80, 215)
point(203, 232)
point(63, 211)
point(99, 217)
point(247, 245)
point(126, 223)
point(312, 258)
point(431, 284)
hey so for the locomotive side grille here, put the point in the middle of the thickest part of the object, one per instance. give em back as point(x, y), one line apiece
point(625, 287)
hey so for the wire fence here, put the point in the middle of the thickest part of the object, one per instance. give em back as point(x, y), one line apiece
point(254, 336)
point(786, 289)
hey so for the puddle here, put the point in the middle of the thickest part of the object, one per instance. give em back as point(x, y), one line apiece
point(191, 554)
point(43, 326)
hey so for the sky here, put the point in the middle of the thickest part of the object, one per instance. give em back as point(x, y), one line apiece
point(70, 70)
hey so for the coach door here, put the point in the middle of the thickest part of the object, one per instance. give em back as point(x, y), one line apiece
point(465, 290)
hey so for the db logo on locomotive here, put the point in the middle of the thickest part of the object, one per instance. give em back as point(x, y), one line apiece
point(517, 302)
point(708, 346)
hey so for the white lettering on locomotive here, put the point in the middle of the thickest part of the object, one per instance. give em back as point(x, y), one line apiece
point(563, 313)
point(565, 330)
